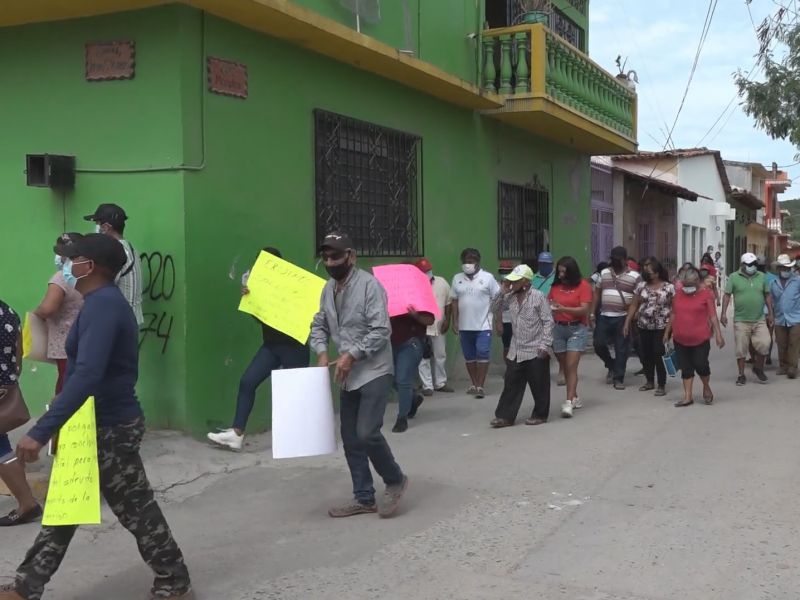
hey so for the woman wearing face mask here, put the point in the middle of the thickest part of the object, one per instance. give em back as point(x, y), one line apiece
point(708, 273)
point(60, 308)
point(471, 295)
point(651, 306)
point(692, 311)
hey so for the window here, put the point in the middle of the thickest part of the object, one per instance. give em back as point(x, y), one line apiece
point(369, 185)
point(693, 258)
point(685, 247)
point(523, 219)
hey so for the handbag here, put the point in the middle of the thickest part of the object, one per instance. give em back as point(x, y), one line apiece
point(669, 359)
point(13, 411)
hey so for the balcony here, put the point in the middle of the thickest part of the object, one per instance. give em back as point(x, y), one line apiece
point(774, 225)
point(555, 91)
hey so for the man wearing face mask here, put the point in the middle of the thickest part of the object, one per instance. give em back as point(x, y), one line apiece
point(354, 314)
point(436, 380)
point(109, 219)
point(103, 362)
point(785, 293)
point(471, 296)
point(750, 290)
point(545, 275)
point(529, 355)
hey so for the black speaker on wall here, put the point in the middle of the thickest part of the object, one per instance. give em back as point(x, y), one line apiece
point(50, 171)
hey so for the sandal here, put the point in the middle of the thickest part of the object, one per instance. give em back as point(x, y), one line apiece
point(647, 387)
point(708, 399)
point(683, 403)
point(500, 423)
point(660, 391)
point(535, 421)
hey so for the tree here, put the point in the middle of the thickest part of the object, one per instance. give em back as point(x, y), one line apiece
point(773, 102)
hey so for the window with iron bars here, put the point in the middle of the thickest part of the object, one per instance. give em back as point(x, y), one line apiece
point(523, 218)
point(368, 185)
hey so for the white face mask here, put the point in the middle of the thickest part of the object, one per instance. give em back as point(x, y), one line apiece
point(690, 290)
point(468, 269)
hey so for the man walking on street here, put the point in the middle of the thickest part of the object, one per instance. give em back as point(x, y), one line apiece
point(436, 380)
point(354, 314)
point(785, 293)
point(103, 362)
point(109, 219)
point(614, 295)
point(532, 320)
point(749, 289)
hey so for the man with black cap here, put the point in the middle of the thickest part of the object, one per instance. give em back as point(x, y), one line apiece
point(103, 362)
point(109, 219)
point(354, 313)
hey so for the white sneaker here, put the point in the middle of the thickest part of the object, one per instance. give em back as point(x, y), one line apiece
point(227, 438)
point(566, 410)
point(576, 403)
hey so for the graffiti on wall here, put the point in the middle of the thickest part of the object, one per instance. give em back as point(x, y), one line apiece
point(158, 285)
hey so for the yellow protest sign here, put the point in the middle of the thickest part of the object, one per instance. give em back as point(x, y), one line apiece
point(283, 296)
point(27, 337)
point(74, 494)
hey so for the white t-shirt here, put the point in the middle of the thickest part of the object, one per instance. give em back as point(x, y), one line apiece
point(441, 290)
point(474, 300)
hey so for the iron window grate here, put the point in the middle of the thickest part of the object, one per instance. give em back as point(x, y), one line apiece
point(368, 185)
point(523, 218)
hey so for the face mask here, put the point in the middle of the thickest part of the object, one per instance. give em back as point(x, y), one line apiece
point(703, 273)
point(545, 269)
point(69, 278)
point(750, 269)
point(97, 228)
point(690, 290)
point(468, 269)
point(786, 274)
point(339, 272)
point(429, 274)
point(58, 262)
point(648, 277)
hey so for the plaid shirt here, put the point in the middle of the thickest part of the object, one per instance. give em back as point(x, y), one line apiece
point(131, 284)
point(532, 322)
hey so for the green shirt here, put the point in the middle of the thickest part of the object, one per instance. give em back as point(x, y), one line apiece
point(748, 296)
point(543, 284)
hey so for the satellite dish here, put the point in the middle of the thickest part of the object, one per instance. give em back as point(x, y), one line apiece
point(368, 10)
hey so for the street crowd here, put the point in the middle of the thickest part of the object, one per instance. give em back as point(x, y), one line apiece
point(542, 308)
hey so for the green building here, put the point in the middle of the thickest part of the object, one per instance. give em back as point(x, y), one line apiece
point(222, 126)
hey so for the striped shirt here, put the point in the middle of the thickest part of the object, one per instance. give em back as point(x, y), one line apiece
point(532, 322)
point(611, 284)
point(129, 281)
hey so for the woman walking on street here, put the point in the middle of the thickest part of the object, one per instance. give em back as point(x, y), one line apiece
point(570, 298)
point(692, 311)
point(651, 306)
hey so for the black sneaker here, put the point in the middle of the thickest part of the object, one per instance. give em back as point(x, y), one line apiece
point(401, 426)
point(760, 374)
point(609, 378)
point(14, 518)
point(415, 404)
point(741, 380)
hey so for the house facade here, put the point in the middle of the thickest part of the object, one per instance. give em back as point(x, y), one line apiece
point(223, 126)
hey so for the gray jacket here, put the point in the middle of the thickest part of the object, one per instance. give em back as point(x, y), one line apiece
point(360, 326)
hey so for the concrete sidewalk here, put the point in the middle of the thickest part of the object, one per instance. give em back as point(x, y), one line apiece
point(630, 500)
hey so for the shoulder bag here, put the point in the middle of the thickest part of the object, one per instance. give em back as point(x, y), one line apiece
point(13, 411)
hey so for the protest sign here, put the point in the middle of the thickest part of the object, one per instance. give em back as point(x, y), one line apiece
point(34, 339)
point(283, 296)
point(74, 494)
point(406, 285)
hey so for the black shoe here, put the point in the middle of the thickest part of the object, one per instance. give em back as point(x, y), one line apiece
point(415, 404)
point(741, 380)
point(14, 518)
point(749, 361)
point(760, 374)
point(401, 426)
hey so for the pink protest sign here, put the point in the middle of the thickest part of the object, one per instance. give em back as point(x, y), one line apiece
point(407, 285)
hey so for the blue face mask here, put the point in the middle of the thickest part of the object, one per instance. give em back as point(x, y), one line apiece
point(545, 270)
point(786, 274)
point(690, 290)
point(429, 274)
point(97, 228)
point(750, 269)
point(58, 262)
point(66, 270)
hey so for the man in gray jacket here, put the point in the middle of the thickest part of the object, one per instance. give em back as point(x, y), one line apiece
point(354, 314)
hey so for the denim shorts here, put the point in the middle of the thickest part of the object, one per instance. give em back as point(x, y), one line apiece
point(6, 452)
point(569, 337)
point(476, 345)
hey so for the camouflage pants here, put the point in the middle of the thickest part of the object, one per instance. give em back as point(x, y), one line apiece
point(124, 485)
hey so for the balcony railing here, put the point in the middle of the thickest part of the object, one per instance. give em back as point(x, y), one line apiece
point(774, 225)
point(531, 61)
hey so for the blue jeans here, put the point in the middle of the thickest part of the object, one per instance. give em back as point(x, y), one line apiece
point(609, 331)
point(266, 360)
point(361, 413)
point(406, 364)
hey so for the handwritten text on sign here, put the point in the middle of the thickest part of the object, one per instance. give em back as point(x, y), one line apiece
point(407, 285)
point(282, 296)
point(74, 494)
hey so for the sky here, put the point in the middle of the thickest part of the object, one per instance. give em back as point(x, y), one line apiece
point(659, 38)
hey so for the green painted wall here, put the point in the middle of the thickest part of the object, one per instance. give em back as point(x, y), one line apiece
point(47, 106)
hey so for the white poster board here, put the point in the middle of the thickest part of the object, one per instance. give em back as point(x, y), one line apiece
point(302, 413)
point(37, 328)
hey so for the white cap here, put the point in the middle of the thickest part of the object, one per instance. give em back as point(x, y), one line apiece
point(785, 261)
point(748, 258)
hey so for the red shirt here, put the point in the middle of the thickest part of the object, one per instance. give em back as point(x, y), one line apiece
point(692, 312)
point(570, 297)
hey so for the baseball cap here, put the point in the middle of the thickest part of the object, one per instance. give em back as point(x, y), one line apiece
point(749, 258)
point(108, 213)
point(506, 265)
point(103, 250)
point(336, 241)
point(785, 261)
point(520, 272)
point(546, 257)
point(64, 241)
point(424, 265)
